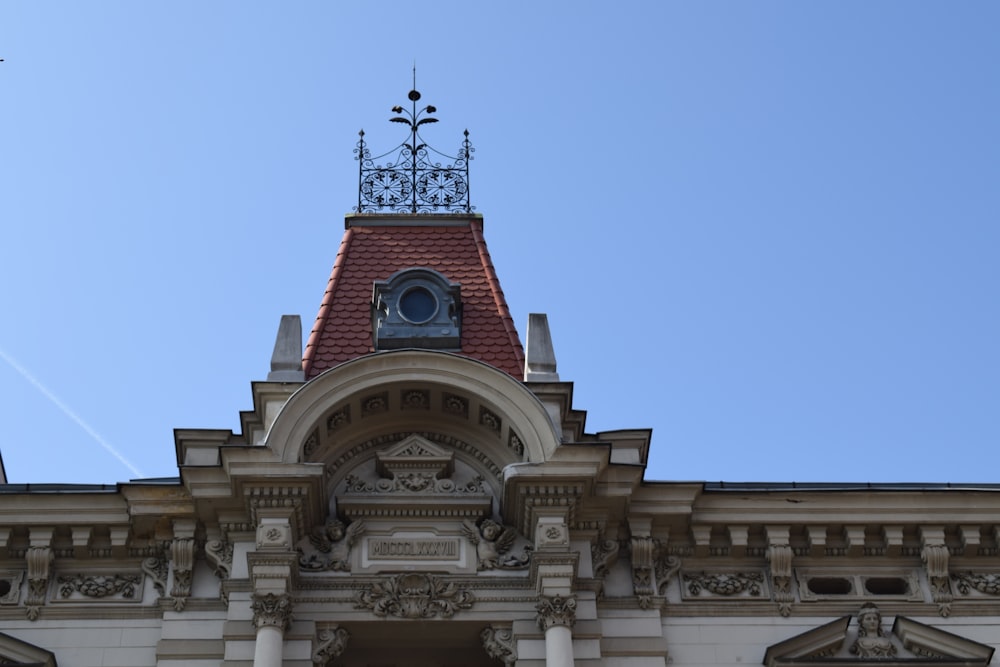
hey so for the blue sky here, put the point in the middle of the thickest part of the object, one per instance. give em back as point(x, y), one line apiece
point(769, 231)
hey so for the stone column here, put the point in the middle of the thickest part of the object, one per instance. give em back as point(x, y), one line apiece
point(272, 571)
point(271, 616)
point(556, 616)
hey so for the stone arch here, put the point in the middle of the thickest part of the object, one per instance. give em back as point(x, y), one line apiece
point(495, 403)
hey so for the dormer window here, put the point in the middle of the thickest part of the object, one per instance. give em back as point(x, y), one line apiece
point(416, 307)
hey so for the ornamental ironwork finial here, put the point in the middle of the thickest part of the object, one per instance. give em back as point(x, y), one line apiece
point(412, 180)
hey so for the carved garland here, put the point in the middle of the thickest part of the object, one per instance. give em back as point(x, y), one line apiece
point(99, 586)
point(725, 584)
point(413, 595)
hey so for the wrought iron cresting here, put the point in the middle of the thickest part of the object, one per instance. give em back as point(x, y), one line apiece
point(411, 180)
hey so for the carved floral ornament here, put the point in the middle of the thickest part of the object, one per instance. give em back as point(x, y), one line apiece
point(414, 595)
point(273, 610)
point(556, 610)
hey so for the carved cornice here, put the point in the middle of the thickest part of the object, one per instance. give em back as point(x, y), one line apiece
point(556, 610)
point(272, 610)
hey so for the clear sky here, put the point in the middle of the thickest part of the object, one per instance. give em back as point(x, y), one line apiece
point(769, 231)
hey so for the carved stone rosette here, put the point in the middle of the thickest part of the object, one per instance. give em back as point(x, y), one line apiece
point(39, 559)
point(273, 610)
point(330, 643)
point(556, 610)
point(414, 595)
point(935, 558)
point(182, 557)
point(780, 558)
point(498, 641)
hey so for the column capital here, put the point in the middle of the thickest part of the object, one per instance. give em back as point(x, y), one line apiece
point(272, 610)
point(556, 610)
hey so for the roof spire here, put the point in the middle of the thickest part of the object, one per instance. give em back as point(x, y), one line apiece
point(412, 180)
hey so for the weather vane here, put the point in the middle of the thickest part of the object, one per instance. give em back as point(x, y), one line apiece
point(412, 180)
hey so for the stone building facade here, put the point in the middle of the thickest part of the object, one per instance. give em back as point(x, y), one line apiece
point(415, 487)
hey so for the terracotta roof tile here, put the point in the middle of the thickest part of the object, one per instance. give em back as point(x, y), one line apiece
point(370, 252)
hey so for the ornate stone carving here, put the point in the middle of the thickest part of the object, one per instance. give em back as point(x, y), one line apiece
point(330, 643)
point(328, 547)
point(724, 583)
point(375, 404)
point(274, 536)
point(498, 641)
point(219, 554)
point(413, 595)
point(339, 418)
point(182, 558)
point(603, 554)
point(966, 582)
point(643, 583)
point(556, 610)
point(99, 586)
point(665, 567)
point(456, 405)
point(493, 541)
point(157, 568)
point(515, 443)
point(490, 420)
point(780, 558)
point(935, 558)
point(39, 560)
point(872, 641)
point(271, 609)
point(415, 399)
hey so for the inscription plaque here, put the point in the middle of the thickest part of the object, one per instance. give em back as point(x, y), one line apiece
point(394, 548)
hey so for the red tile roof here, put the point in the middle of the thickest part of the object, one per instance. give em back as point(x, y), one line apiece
point(376, 246)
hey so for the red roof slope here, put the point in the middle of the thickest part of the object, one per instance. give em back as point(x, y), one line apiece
point(376, 246)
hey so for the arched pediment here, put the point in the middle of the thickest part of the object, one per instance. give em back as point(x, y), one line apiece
point(437, 393)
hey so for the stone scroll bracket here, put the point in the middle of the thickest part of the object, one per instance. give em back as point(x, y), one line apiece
point(935, 556)
point(38, 558)
point(779, 556)
point(330, 643)
point(182, 552)
point(500, 644)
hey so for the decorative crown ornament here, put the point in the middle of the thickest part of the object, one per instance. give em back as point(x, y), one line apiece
point(411, 180)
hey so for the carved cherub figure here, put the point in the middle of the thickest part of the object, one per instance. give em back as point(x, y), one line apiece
point(493, 541)
point(329, 546)
point(872, 641)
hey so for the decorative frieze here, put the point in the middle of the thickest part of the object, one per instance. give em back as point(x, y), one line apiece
point(330, 644)
point(498, 641)
point(724, 584)
point(123, 586)
point(414, 595)
point(493, 541)
point(271, 609)
point(983, 582)
point(328, 547)
point(556, 610)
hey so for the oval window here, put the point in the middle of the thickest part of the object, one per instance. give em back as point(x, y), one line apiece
point(418, 305)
